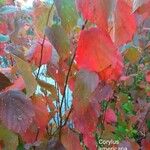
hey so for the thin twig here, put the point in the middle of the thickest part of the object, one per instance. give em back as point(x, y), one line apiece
point(67, 118)
point(42, 45)
point(64, 93)
point(36, 137)
point(66, 83)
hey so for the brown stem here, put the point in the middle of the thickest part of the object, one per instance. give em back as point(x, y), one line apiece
point(42, 45)
point(65, 87)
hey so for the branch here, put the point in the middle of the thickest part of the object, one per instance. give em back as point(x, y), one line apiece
point(42, 45)
point(65, 87)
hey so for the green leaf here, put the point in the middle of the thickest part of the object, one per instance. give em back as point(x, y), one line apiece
point(26, 72)
point(148, 125)
point(67, 11)
point(4, 38)
point(59, 39)
point(40, 17)
point(7, 9)
point(128, 107)
point(9, 138)
point(2, 2)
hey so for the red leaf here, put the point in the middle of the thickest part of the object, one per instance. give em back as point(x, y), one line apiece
point(89, 140)
point(95, 50)
point(2, 46)
point(16, 110)
point(3, 28)
point(70, 140)
point(110, 116)
point(142, 7)
point(85, 120)
point(99, 54)
point(40, 121)
point(41, 112)
point(18, 84)
point(145, 144)
point(34, 54)
point(96, 11)
point(33, 134)
point(124, 23)
point(114, 71)
point(148, 76)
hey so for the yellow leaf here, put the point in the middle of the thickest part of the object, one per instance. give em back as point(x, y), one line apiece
point(48, 87)
point(25, 69)
point(132, 55)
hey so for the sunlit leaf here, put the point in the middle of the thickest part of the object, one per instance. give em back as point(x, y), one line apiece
point(96, 11)
point(40, 17)
point(95, 50)
point(67, 12)
point(123, 29)
point(59, 39)
point(51, 88)
point(2, 2)
point(26, 72)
